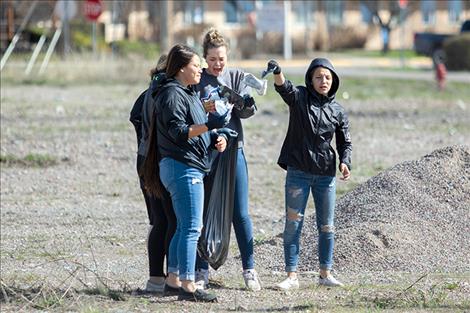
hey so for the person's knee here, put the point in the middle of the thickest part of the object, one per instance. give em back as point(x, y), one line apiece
point(293, 220)
point(294, 215)
point(194, 230)
point(327, 229)
point(241, 218)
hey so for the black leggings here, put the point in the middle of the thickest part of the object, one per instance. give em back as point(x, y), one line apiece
point(163, 220)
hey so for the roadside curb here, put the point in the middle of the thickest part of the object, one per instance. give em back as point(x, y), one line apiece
point(356, 62)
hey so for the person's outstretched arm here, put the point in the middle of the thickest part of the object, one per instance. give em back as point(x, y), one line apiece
point(285, 88)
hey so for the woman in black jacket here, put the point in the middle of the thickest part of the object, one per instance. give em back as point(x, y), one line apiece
point(183, 135)
point(160, 211)
point(310, 160)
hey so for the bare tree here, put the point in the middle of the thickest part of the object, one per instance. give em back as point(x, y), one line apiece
point(385, 25)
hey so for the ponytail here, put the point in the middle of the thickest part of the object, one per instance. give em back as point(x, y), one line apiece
point(150, 169)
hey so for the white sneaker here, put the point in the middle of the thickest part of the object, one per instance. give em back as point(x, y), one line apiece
point(330, 281)
point(251, 280)
point(288, 283)
point(152, 287)
point(201, 278)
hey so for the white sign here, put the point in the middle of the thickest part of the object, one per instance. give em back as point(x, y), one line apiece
point(65, 9)
point(114, 32)
point(270, 17)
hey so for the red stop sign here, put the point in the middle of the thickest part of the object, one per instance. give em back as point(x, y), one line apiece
point(403, 4)
point(93, 9)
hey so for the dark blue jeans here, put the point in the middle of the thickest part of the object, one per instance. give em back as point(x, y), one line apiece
point(186, 187)
point(241, 219)
point(297, 189)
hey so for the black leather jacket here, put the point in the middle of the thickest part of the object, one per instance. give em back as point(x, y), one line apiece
point(313, 120)
point(178, 107)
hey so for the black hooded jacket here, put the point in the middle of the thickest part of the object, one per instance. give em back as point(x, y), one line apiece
point(178, 107)
point(313, 120)
point(142, 112)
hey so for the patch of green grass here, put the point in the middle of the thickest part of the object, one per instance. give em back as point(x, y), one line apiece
point(372, 89)
point(259, 239)
point(451, 286)
point(342, 189)
point(396, 54)
point(115, 295)
point(90, 309)
point(30, 160)
point(48, 302)
point(45, 297)
point(147, 49)
point(431, 297)
point(377, 89)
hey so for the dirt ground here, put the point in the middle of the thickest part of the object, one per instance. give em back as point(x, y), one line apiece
point(73, 233)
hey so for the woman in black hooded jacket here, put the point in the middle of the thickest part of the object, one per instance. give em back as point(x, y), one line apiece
point(160, 211)
point(310, 160)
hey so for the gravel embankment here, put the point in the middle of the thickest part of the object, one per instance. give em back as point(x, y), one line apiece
point(414, 216)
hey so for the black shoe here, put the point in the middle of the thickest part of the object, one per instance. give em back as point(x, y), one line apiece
point(170, 291)
point(197, 296)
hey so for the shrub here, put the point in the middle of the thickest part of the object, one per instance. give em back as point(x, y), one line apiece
point(246, 43)
point(347, 38)
point(82, 37)
point(302, 43)
point(149, 50)
point(192, 35)
point(457, 51)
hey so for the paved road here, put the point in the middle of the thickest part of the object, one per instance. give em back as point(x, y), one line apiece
point(419, 68)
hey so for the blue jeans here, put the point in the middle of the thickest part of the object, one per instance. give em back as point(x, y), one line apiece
point(241, 219)
point(185, 185)
point(297, 189)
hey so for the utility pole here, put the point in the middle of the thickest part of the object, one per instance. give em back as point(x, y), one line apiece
point(166, 37)
point(287, 37)
point(66, 28)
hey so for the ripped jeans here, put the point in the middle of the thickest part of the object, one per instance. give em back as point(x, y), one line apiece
point(185, 185)
point(297, 188)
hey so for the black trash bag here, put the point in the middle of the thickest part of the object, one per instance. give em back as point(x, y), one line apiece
point(219, 190)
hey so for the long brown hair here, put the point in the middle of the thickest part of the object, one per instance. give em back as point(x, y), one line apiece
point(150, 170)
point(178, 57)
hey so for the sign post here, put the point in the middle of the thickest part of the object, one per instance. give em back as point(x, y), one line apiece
point(66, 10)
point(402, 4)
point(92, 10)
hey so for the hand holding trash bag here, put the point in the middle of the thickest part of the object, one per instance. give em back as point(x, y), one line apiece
point(248, 101)
point(272, 67)
point(221, 144)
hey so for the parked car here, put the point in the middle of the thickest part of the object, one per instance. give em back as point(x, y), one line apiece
point(429, 44)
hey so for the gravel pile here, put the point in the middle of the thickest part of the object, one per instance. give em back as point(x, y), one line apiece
point(413, 217)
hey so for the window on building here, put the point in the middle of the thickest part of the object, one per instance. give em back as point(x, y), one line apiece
point(303, 12)
point(455, 9)
point(428, 11)
point(193, 12)
point(334, 12)
point(365, 13)
point(236, 10)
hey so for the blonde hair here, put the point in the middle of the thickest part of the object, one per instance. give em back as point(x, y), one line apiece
point(213, 39)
